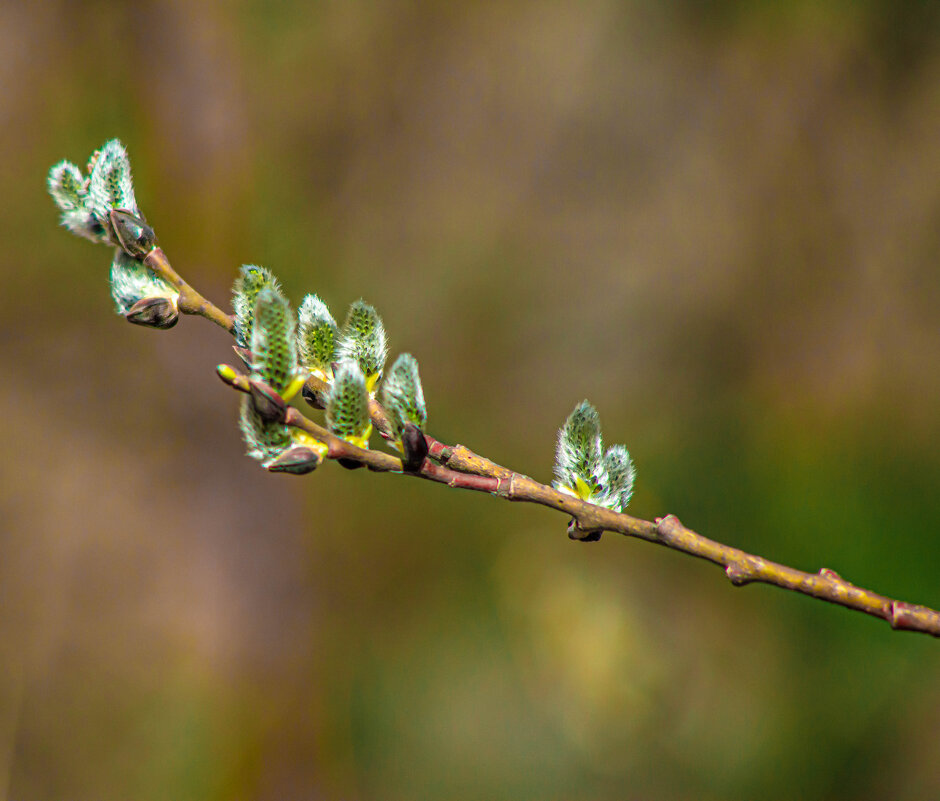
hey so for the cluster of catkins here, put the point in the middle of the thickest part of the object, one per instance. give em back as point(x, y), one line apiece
point(101, 207)
point(282, 350)
point(584, 469)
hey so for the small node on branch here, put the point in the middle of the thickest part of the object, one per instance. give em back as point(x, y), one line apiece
point(737, 575)
point(575, 532)
point(667, 526)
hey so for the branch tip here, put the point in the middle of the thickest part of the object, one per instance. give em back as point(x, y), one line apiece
point(575, 532)
point(228, 374)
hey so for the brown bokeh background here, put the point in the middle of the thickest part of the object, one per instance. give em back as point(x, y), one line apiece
point(720, 222)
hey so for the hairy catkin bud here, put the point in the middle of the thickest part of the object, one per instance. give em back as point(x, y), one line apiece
point(69, 190)
point(265, 441)
point(619, 477)
point(133, 282)
point(579, 463)
point(317, 335)
point(251, 280)
point(363, 341)
point(67, 186)
point(347, 408)
point(86, 204)
point(403, 396)
point(273, 344)
point(110, 185)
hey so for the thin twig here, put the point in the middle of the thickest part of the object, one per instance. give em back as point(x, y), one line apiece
point(377, 461)
point(459, 467)
point(190, 301)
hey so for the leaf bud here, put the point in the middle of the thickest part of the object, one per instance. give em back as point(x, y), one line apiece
point(297, 460)
point(227, 373)
point(134, 235)
point(158, 312)
point(315, 398)
point(269, 405)
point(575, 533)
point(414, 448)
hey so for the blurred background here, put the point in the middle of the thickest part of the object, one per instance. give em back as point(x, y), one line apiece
point(720, 222)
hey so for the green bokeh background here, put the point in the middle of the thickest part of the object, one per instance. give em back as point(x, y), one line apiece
point(718, 221)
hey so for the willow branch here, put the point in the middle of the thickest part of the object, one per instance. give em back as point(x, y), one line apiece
point(377, 461)
point(190, 301)
point(459, 467)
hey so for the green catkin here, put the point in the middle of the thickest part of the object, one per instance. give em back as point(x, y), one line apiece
point(317, 335)
point(251, 280)
point(273, 343)
point(363, 341)
point(403, 396)
point(132, 281)
point(619, 477)
point(347, 408)
point(110, 185)
point(265, 441)
point(578, 458)
point(67, 186)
